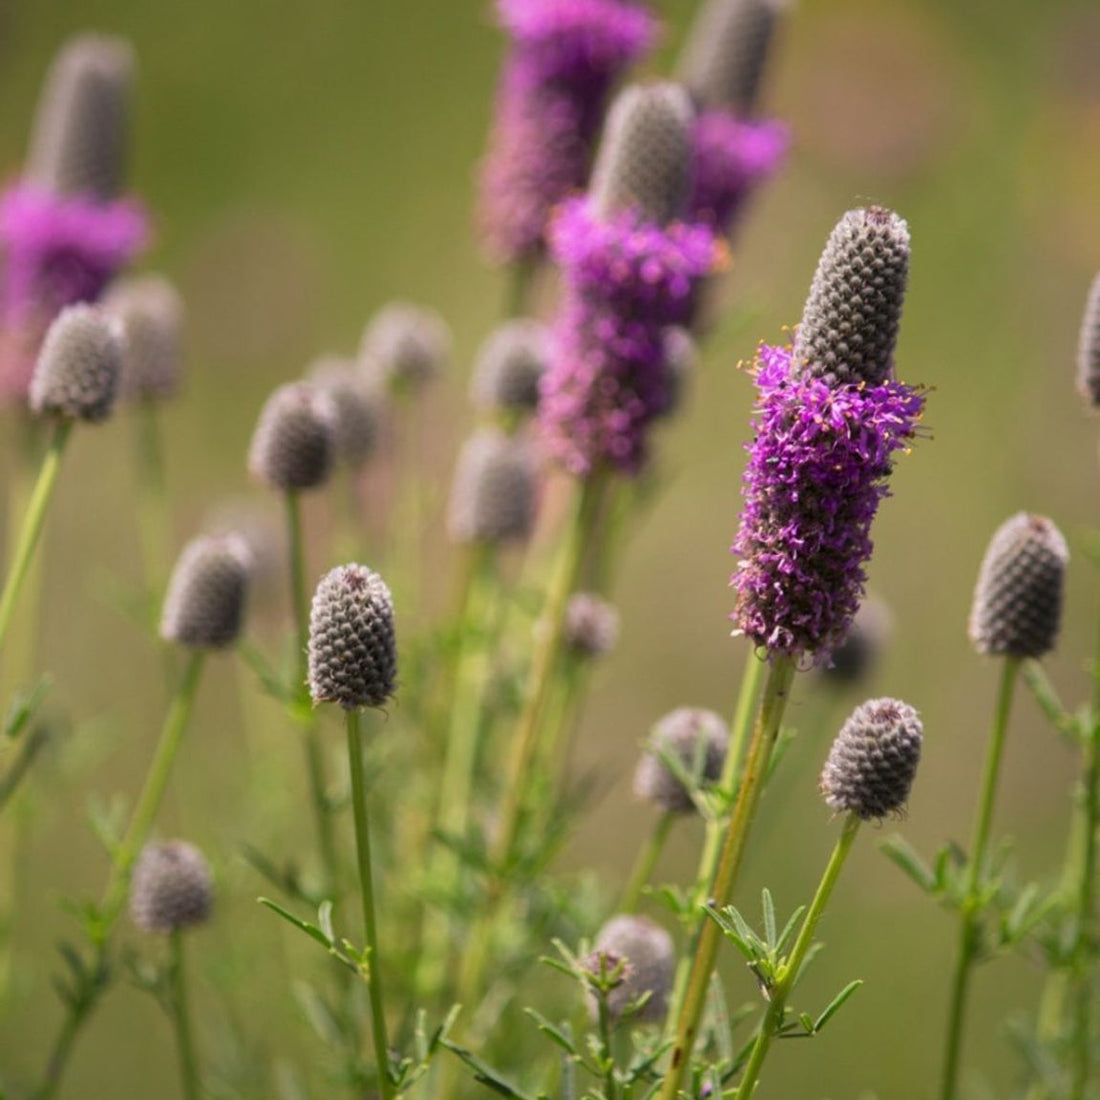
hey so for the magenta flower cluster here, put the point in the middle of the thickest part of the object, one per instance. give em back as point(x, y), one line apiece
point(626, 281)
point(817, 470)
point(731, 157)
point(566, 56)
point(57, 250)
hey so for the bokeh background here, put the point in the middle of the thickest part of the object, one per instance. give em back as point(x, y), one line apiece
point(304, 163)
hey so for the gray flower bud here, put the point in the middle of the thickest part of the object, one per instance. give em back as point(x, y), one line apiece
point(1088, 348)
point(150, 316)
point(494, 490)
point(81, 129)
point(1017, 608)
point(294, 444)
point(850, 322)
point(204, 604)
point(509, 366)
point(644, 159)
point(591, 627)
point(357, 407)
point(171, 888)
point(404, 347)
point(650, 959)
point(352, 645)
point(79, 366)
point(697, 739)
point(873, 760)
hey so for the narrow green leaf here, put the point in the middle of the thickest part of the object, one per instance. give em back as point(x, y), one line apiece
point(834, 1005)
point(789, 930)
point(554, 1033)
point(769, 917)
point(902, 855)
point(485, 1074)
point(24, 706)
point(310, 930)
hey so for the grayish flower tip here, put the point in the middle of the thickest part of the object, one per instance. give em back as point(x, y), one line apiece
point(204, 604)
point(726, 52)
point(850, 323)
point(650, 958)
point(79, 367)
point(591, 627)
point(171, 888)
point(509, 367)
point(681, 356)
point(694, 737)
point(873, 760)
point(294, 444)
point(404, 347)
point(352, 645)
point(356, 404)
point(644, 160)
point(494, 490)
point(855, 657)
point(1017, 608)
point(150, 316)
point(1088, 348)
point(81, 128)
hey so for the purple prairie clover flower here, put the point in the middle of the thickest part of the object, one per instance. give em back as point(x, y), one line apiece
point(627, 281)
point(817, 470)
point(565, 57)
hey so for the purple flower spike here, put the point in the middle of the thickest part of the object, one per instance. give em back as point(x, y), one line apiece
point(731, 158)
point(817, 470)
point(626, 282)
point(566, 56)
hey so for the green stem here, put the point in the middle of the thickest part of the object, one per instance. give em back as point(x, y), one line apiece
point(181, 1019)
point(29, 748)
point(776, 692)
point(787, 976)
point(32, 523)
point(154, 525)
point(603, 1023)
point(969, 925)
point(366, 894)
point(299, 595)
point(646, 862)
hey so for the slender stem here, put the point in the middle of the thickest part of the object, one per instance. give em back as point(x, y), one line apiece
point(603, 1023)
point(31, 745)
point(969, 925)
point(788, 974)
point(32, 523)
point(154, 524)
point(776, 691)
point(646, 861)
point(181, 1019)
point(366, 894)
point(299, 596)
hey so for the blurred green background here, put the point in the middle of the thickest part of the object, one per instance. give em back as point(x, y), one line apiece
point(304, 163)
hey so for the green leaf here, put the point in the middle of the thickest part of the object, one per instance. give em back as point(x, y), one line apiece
point(554, 1033)
point(789, 930)
point(485, 1074)
point(835, 1004)
point(902, 855)
point(769, 918)
point(24, 706)
point(310, 930)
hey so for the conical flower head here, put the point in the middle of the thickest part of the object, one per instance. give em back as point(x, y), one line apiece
point(650, 964)
point(404, 347)
point(1088, 348)
point(150, 315)
point(171, 888)
point(79, 366)
point(80, 137)
point(356, 405)
point(873, 761)
point(591, 626)
point(1017, 608)
point(850, 322)
point(726, 52)
point(509, 366)
point(294, 444)
point(494, 491)
point(693, 737)
point(352, 646)
point(645, 155)
point(205, 601)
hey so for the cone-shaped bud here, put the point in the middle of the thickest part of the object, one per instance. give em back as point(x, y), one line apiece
point(79, 366)
point(80, 137)
point(850, 322)
point(171, 888)
point(645, 155)
point(873, 760)
point(294, 444)
point(352, 646)
point(650, 964)
point(404, 347)
point(494, 490)
point(727, 49)
point(356, 405)
point(509, 366)
point(150, 316)
point(1017, 608)
point(855, 657)
point(681, 354)
point(591, 626)
point(204, 604)
point(1088, 348)
point(694, 737)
